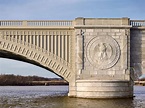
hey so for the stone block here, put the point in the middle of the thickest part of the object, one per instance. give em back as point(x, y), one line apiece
point(115, 30)
point(72, 88)
point(127, 77)
point(113, 84)
point(122, 31)
point(111, 72)
point(102, 89)
point(106, 30)
point(92, 34)
point(116, 37)
point(111, 34)
point(102, 33)
point(86, 34)
point(118, 34)
point(89, 30)
point(79, 21)
point(91, 88)
point(101, 72)
point(85, 84)
point(72, 94)
point(98, 30)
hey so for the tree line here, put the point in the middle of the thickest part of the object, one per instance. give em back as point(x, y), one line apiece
point(18, 80)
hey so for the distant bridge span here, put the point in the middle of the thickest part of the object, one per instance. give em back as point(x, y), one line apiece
point(91, 54)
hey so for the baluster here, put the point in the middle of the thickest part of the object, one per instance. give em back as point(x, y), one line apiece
point(4, 23)
point(30, 23)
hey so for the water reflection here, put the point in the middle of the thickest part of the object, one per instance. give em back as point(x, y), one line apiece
point(66, 102)
point(47, 97)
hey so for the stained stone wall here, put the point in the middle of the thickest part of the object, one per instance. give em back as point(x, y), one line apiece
point(138, 50)
point(106, 49)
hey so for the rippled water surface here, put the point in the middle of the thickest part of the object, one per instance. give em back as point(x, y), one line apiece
point(56, 97)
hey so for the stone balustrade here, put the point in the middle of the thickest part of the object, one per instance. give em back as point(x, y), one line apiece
point(36, 23)
point(137, 23)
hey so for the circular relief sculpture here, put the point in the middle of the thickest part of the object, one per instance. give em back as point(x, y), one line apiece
point(103, 52)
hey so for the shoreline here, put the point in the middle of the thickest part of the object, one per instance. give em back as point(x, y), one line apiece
point(17, 80)
point(38, 83)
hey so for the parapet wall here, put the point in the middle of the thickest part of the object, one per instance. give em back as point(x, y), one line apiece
point(102, 21)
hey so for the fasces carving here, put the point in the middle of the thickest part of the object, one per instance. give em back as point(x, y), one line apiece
point(103, 52)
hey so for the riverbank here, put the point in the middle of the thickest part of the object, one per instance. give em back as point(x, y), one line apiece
point(47, 83)
point(17, 80)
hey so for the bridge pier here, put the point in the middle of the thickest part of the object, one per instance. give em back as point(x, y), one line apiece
point(104, 89)
point(101, 89)
point(103, 58)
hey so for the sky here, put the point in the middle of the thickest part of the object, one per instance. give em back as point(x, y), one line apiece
point(62, 10)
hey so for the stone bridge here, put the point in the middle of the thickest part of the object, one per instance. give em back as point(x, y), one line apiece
point(95, 55)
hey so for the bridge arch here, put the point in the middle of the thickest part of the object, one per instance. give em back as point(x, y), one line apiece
point(19, 50)
point(8, 56)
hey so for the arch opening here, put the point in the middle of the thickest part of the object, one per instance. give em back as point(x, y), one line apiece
point(14, 57)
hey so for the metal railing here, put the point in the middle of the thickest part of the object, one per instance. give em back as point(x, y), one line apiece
point(137, 23)
point(36, 23)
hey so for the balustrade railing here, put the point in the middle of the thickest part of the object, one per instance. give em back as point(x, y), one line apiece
point(137, 23)
point(37, 23)
point(49, 23)
point(11, 23)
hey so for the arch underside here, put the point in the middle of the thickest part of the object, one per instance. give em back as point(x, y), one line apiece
point(18, 50)
point(10, 55)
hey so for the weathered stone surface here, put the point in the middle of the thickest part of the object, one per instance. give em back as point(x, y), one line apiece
point(106, 53)
point(103, 89)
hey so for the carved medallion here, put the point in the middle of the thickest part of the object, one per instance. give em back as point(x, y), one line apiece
point(103, 52)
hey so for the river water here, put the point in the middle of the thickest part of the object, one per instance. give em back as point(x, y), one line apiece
point(56, 97)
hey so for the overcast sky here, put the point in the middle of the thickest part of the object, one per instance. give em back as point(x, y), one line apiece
point(61, 10)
